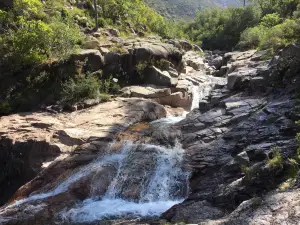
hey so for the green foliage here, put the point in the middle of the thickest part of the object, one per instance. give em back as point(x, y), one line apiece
point(296, 13)
point(77, 90)
point(186, 9)
point(30, 43)
point(133, 12)
point(221, 29)
point(117, 49)
point(280, 35)
point(140, 68)
point(5, 108)
point(251, 37)
point(65, 40)
point(264, 24)
point(28, 8)
point(31, 36)
point(110, 86)
point(274, 37)
point(283, 7)
point(276, 160)
point(270, 20)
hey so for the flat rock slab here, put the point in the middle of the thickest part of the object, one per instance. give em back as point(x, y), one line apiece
point(98, 121)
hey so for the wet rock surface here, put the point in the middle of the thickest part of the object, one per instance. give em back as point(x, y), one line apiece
point(230, 140)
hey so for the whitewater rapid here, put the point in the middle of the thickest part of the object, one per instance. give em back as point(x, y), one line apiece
point(162, 188)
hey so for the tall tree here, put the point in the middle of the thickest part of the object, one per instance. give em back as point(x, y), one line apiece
point(96, 14)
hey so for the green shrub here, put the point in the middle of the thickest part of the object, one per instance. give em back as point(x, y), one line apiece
point(274, 37)
point(251, 37)
point(35, 41)
point(65, 40)
point(280, 35)
point(28, 8)
point(271, 20)
point(109, 86)
point(296, 13)
point(30, 43)
point(5, 108)
point(117, 49)
point(140, 67)
point(276, 160)
point(77, 90)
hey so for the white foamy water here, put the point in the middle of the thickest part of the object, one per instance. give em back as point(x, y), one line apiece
point(168, 120)
point(92, 210)
point(63, 187)
point(202, 90)
point(163, 187)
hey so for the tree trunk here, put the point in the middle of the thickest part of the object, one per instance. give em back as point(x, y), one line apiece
point(96, 15)
point(244, 3)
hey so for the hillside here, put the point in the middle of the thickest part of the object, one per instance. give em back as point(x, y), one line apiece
point(187, 9)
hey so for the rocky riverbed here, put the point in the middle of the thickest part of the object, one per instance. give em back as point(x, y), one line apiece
point(208, 166)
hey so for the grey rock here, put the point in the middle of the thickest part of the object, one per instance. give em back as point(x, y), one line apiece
point(186, 45)
point(94, 59)
point(217, 62)
point(202, 210)
point(114, 32)
point(242, 158)
point(155, 76)
point(204, 106)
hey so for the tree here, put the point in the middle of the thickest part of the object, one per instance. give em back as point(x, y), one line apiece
point(96, 15)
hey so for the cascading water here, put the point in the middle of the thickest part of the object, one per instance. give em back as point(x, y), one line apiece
point(202, 90)
point(162, 184)
point(161, 188)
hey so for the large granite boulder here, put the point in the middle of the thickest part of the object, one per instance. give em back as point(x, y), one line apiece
point(157, 77)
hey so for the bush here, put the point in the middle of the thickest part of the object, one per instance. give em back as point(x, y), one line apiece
point(65, 40)
point(77, 90)
point(28, 8)
point(271, 20)
point(273, 38)
point(35, 41)
point(251, 37)
point(30, 43)
point(276, 160)
point(110, 86)
point(280, 35)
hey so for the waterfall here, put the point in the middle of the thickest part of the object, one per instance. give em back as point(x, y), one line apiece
point(201, 91)
point(162, 185)
point(161, 188)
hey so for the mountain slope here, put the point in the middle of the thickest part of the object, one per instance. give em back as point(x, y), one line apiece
point(187, 8)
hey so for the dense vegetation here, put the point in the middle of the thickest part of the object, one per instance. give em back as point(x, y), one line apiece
point(35, 34)
point(51, 29)
point(264, 24)
point(186, 9)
